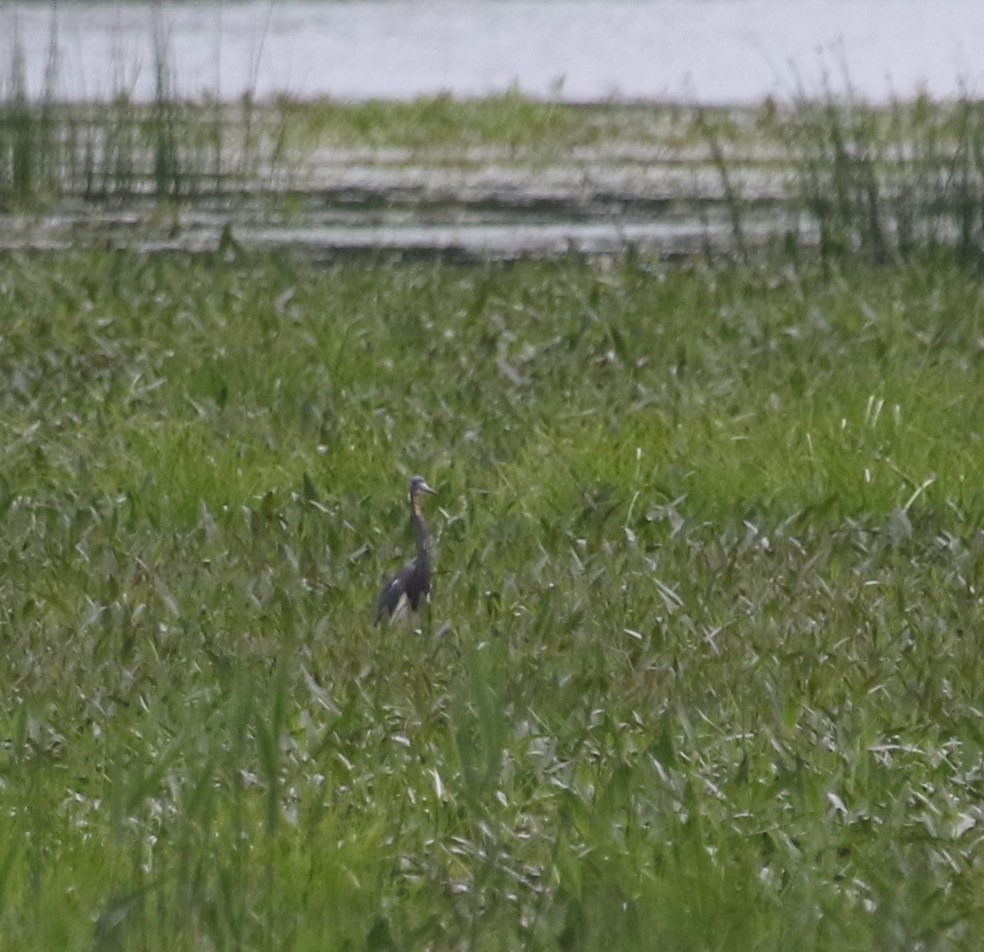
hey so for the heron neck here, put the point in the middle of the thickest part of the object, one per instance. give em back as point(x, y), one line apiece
point(420, 529)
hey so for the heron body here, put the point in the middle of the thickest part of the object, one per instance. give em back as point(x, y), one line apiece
point(411, 586)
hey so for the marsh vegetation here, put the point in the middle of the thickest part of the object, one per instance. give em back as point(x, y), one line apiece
point(702, 669)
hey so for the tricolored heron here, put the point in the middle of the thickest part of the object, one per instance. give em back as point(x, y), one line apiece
point(412, 584)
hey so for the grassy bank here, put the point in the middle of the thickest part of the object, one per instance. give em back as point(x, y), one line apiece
point(835, 177)
point(703, 668)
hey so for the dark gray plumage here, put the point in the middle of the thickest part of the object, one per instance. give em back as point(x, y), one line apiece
point(411, 585)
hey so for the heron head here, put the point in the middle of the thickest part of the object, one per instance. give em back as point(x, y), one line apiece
point(419, 485)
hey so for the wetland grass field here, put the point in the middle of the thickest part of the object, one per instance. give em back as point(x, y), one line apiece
point(703, 667)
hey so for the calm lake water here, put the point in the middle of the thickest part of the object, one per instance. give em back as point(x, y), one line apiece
point(712, 51)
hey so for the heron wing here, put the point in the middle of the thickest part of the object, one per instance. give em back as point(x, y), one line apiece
point(393, 597)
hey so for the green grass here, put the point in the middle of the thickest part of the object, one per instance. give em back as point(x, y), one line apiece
point(703, 666)
point(510, 120)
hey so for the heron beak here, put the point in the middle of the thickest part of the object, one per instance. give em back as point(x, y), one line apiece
point(424, 488)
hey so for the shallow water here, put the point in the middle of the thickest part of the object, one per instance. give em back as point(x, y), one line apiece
point(404, 213)
point(714, 51)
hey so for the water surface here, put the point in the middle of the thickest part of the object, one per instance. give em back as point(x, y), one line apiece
point(713, 51)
